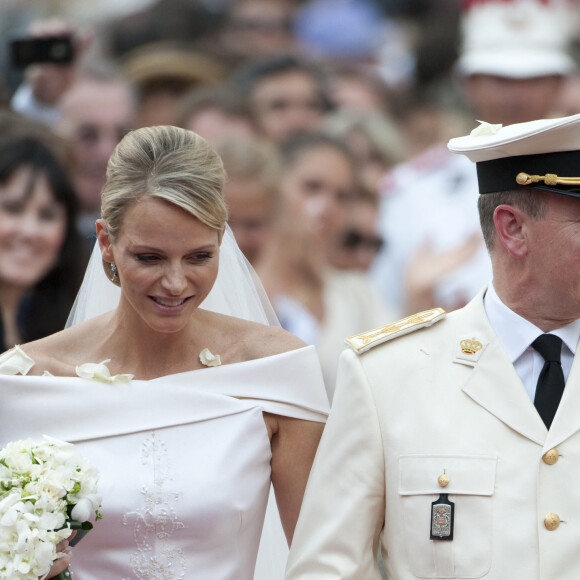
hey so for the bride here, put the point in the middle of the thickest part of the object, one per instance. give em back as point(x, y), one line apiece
point(198, 405)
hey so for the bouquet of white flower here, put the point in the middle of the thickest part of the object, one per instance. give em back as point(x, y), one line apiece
point(47, 489)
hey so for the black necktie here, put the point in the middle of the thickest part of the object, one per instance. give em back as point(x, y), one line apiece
point(551, 380)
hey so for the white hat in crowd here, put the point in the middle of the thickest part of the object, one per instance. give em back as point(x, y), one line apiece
point(517, 38)
point(543, 154)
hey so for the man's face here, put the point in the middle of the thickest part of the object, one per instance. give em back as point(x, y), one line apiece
point(553, 245)
point(95, 116)
point(258, 27)
point(505, 100)
point(287, 103)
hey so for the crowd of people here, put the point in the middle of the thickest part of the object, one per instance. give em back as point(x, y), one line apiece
point(249, 82)
point(401, 227)
point(196, 158)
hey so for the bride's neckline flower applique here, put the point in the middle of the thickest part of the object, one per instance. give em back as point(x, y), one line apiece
point(15, 361)
point(100, 372)
point(208, 359)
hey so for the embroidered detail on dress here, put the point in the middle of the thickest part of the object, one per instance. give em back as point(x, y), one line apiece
point(156, 522)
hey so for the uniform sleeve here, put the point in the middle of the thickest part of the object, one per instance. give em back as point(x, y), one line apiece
point(342, 515)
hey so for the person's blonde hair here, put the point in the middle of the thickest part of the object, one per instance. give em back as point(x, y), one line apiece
point(169, 163)
point(251, 158)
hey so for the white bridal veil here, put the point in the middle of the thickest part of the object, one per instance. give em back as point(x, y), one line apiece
point(236, 292)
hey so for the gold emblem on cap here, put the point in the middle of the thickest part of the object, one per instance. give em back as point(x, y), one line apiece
point(470, 346)
point(549, 179)
point(443, 480)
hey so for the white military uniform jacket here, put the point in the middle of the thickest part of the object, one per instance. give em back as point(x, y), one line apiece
point(442, 400)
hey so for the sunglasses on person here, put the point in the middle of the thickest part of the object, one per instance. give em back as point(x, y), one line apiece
point(354, 240)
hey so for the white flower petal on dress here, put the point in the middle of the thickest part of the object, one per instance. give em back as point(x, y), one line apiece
point(15, 361)
point(208, 359)
point(100, 372)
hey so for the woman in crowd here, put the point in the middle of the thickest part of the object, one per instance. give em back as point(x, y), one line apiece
point(42, 258)
point(374, 140)
point(359, 241)
point(186, 452)
point(251, 165)
point(313, 300)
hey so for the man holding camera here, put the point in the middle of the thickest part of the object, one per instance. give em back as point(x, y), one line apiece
point(86, 101)
point(50, 56)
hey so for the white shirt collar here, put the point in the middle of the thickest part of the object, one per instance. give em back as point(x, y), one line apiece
point(516, 333)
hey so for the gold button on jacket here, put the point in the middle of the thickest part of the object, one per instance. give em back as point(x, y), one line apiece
point(551, 456)
point(552, 521)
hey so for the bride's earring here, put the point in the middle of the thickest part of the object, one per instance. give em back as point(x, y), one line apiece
point(114, 276)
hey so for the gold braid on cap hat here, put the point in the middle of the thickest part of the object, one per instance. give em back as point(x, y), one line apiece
point(548, 179)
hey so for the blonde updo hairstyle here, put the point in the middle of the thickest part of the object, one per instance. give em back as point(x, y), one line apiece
point(168, 163)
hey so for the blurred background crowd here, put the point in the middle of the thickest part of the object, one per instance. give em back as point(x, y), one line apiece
point(331, 117)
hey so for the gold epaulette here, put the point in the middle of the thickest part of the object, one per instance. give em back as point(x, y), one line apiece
point(366, 340)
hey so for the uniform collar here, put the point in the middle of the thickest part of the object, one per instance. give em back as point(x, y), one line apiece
point(515, 332)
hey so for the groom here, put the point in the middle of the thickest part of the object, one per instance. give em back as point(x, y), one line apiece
point(453, 444)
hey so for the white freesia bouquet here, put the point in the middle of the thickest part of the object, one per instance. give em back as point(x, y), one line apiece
point(47, 489)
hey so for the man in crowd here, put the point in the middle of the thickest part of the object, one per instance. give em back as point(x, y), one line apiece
point(88, 102)
point(94, 115)
point(285, 94)
point(510, 71)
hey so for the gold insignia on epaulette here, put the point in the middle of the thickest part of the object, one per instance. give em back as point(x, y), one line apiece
point(365, 340)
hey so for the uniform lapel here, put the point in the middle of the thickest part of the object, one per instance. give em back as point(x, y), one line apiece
point(567, 419)
point(494, 383)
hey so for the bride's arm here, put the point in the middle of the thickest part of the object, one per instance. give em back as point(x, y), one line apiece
point(294, 443)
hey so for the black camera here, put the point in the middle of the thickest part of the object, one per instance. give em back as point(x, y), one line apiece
point(53, 49)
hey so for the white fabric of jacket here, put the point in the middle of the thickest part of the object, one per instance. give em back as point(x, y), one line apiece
point(413, 408)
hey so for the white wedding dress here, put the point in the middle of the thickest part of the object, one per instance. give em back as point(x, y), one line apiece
point(184, 462)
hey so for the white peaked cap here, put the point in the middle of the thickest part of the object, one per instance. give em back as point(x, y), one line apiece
point(496, 141)
point(517, 38)
point(547, 147)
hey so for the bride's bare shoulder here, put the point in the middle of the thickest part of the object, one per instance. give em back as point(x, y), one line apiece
point(253, 340)
point(271, 340)
point(60, 353)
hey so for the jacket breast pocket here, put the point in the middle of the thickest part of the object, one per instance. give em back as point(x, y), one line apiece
point(469, 481)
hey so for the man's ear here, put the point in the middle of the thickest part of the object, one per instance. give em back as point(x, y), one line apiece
point(104, 241)
point(510, 226)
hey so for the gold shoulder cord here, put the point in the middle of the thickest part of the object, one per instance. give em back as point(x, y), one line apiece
point(548, 179)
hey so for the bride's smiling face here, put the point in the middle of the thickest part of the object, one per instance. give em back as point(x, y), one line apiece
point(167, 262)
